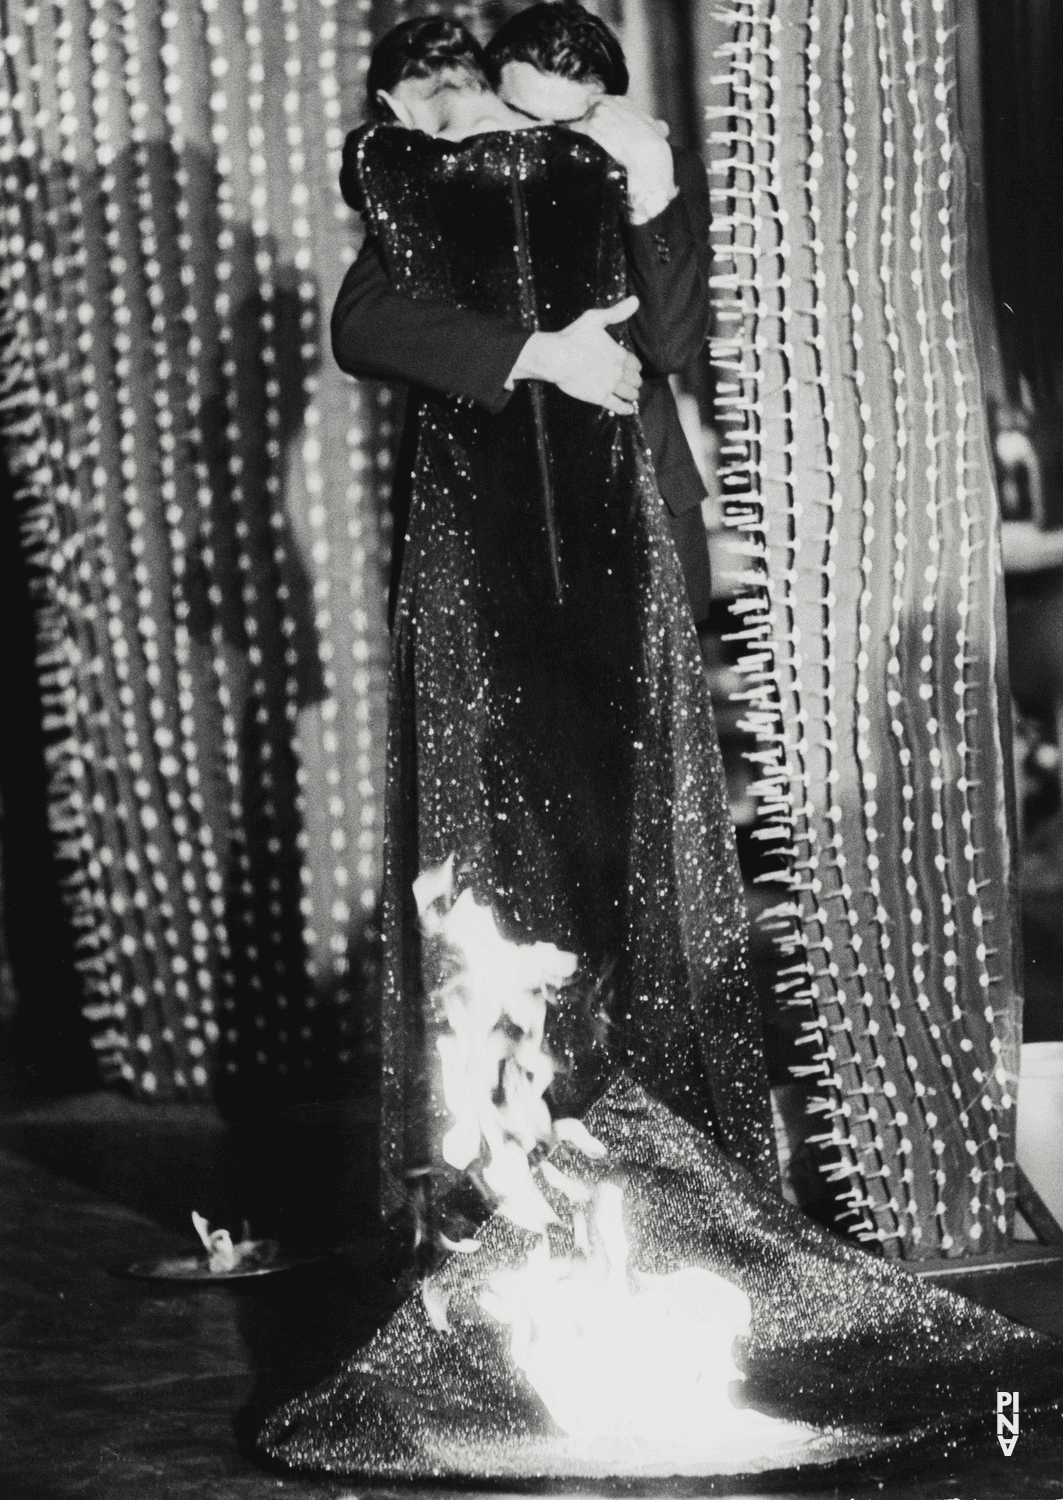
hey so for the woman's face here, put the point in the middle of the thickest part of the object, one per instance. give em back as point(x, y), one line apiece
point(547, 96)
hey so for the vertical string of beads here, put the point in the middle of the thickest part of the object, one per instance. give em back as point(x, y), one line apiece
point(131, 965)
point(336, 907)
point(738, 349)
point(265, 265)
point(209, 927)
point(737, 358)
point(361, 566)
point(825, 999)
point(992, 1092)
point(898, 407)
point(372, 538)
point(183, 797)
point(807, 705)
point(370, 535)
point(164, 964)
point(249, 777)
point(881, 1111)
point(927, 690)
point(150, 978)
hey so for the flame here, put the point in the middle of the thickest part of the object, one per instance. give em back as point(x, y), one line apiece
point(218, 1243)
point(625, 1360)
point(495, 1067)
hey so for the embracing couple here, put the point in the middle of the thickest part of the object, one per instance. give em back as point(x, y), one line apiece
point(549, 723)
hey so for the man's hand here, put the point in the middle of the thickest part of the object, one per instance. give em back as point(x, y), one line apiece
point(640, 145)
point(585, 362)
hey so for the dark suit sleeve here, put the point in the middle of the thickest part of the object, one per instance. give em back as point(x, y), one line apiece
point(668, 260)
point(381, 334)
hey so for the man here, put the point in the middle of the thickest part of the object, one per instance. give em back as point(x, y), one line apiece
point(556, 63)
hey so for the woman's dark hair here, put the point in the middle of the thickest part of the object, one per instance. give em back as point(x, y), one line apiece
point(564, 39)
point(421, 48)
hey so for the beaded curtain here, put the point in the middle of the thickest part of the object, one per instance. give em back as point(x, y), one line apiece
point(858, 482)
point(202, 499)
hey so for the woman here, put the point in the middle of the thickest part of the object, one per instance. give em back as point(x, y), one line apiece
point(550, 726)
point(549, 722)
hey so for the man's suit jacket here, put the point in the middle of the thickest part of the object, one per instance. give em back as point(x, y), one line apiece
point(380, 334)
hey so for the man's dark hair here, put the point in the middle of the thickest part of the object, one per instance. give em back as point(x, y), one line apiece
point(421, 48)
point(563, 39)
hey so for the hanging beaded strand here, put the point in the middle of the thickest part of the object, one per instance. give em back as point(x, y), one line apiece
point(250, 780)
point(822, 874)
point(362, 567)
point(734, 356)
point(737, 352)
point(122, 855)
point(927, 688)
point(891, 148)
point(803, 982)
point(829, 1026)
point(990, 1093)
point(209, 926)
point(166, 964)
point(183, 797)
point(882, 1088)
point(281, 977)
point(372, 539)
point(317, 515)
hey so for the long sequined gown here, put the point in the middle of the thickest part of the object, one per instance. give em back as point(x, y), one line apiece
point(549, 723)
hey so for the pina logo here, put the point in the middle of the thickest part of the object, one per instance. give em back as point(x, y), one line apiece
point(1007, 1425)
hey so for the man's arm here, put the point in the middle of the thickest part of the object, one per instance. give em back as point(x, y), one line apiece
point(666, 236)
point(381, 334)
point(668, 259)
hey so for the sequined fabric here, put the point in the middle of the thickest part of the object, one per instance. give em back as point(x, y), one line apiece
point(871, 1357)
point(564, 752)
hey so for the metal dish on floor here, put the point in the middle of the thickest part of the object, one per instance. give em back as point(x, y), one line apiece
point(261, 1258)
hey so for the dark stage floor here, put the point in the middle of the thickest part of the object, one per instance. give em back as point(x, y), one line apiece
point(127, 1390)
